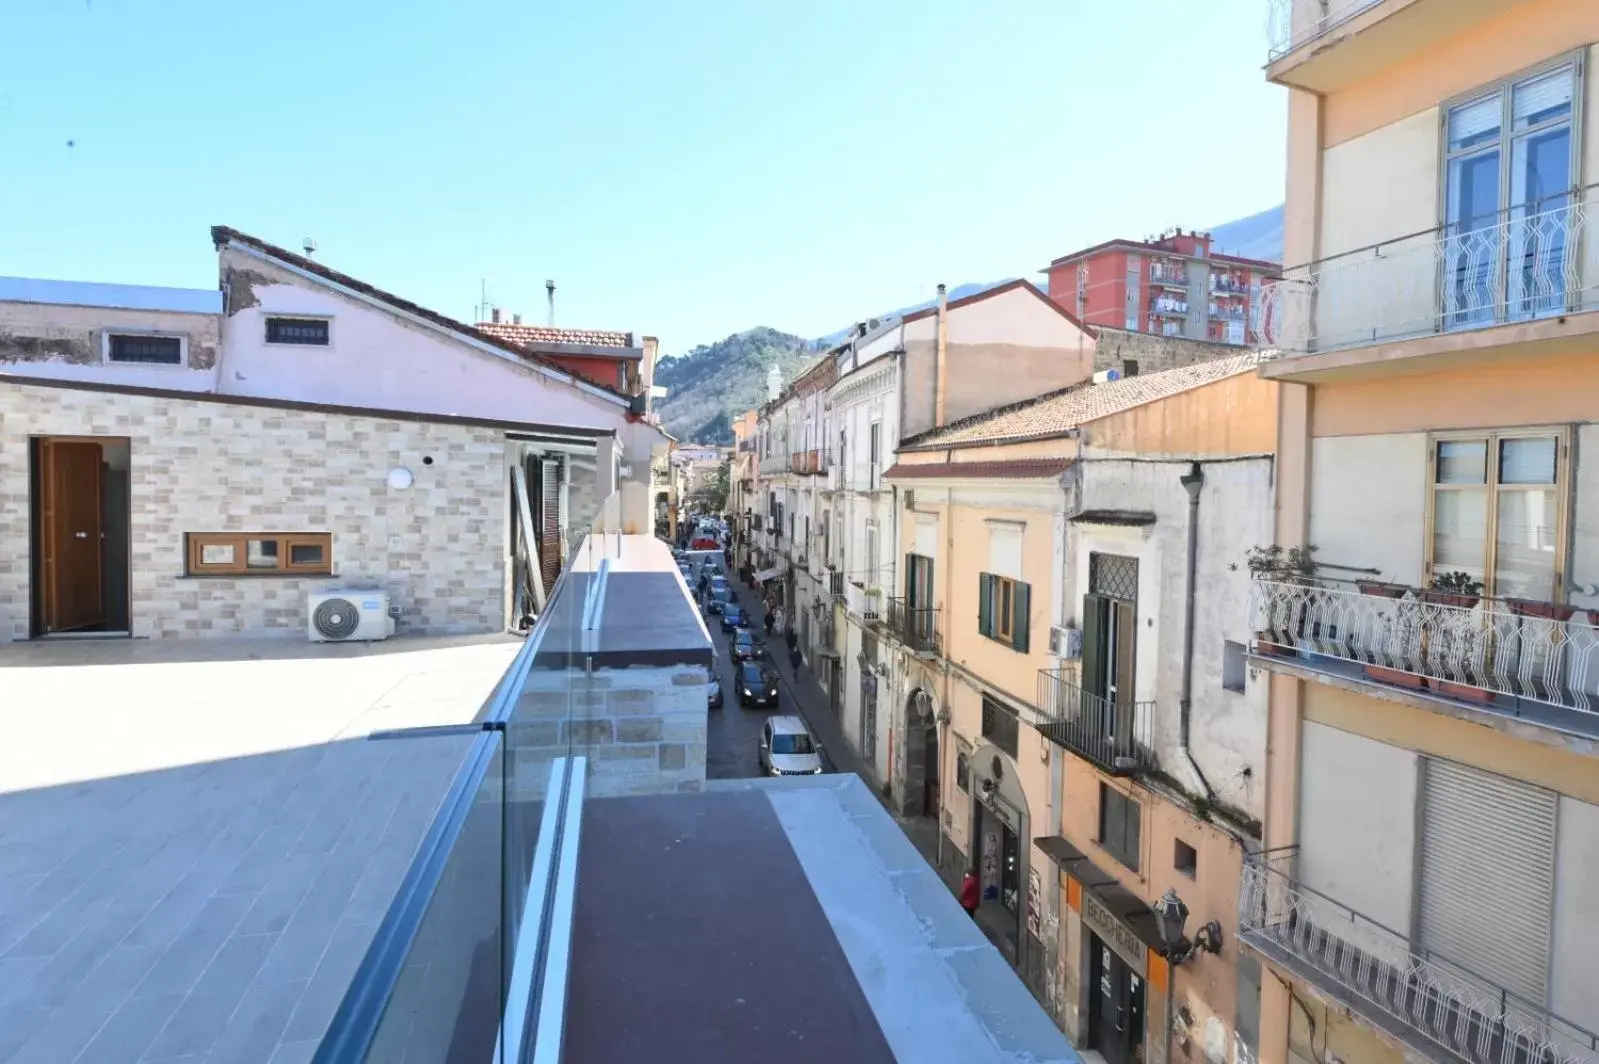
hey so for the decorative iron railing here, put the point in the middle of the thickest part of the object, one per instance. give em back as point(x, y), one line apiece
point(1291, 24)
point(1530, 261)
point(916, 628)
point(1115, 734)
point(1494, 652)
point(1377, 969)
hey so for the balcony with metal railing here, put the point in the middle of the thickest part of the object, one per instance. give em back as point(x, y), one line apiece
point(808, 463)
point(1535, 662)
point(1437, 1008)
point(776, 462)
point(914, 627)
point(1115, 734)
point(1535, 261)
point(1326, 45)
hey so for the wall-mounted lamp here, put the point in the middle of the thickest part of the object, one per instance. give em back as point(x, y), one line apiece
point(399, 478)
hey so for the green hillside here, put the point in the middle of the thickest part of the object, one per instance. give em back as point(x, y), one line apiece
point(714, 383)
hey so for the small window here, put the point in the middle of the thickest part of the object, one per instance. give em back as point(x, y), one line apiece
point(309, 331)
point(1232, 666)
point(1185, 859)
point(149, 350)
point(1002, 610)
point(1119, 828)
point(963, 771)
point(260, 554)
point(1000, 726)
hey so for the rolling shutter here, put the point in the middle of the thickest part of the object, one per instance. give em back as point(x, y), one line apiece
point(549, 521)
point(1487, 875)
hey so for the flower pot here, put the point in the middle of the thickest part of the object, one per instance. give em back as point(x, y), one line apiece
point(1464, 692)
point(1265, 645)
point(1545, 611)
point(1450, 598)
point(1395, 677)
point(1381, 589)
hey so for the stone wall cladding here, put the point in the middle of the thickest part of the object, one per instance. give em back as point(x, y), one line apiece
point(1155, 353)
point(437, 548)
point(643, 729)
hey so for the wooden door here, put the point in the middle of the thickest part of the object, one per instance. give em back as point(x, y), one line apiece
point(71, 534)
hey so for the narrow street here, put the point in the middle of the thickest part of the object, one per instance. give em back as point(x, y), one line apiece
point(733, 733)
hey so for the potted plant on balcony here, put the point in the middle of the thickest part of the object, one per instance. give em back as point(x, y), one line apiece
point(1281, 626)
point(1453, 588)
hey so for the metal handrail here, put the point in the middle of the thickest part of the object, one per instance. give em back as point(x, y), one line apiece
point(916, 627)
point(1442, 1001)
point(1117, 735)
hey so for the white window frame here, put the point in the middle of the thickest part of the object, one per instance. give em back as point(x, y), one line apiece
point(165, 334)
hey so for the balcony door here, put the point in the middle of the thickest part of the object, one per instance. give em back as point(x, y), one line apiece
point(1511, 219)
point(1110, 637)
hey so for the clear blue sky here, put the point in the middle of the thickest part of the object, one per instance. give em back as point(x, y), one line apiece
point(686, 168)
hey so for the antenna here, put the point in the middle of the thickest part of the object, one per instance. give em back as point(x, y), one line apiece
point(549, 288)
point(309, 245)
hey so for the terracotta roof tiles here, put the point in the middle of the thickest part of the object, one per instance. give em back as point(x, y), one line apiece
point(522, 335)
point(1055, 413)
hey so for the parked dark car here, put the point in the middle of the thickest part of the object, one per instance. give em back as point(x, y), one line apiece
point(717, 598)
point(757, 684)
point(734, 616)
point(713, 695)
point(746, 645)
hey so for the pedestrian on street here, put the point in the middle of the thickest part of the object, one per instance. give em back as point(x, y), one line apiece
point(795, 660)
point(970, 891)
point(768, 620)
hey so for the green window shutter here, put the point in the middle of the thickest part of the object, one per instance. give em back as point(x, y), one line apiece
point(909, 591)
point(985, 604)
point(1096, 629)
point(1020, 601)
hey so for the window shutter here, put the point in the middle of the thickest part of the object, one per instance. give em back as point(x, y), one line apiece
point(1096, 614)
point(985, 607)
point(1020, 600)
point(909, 592)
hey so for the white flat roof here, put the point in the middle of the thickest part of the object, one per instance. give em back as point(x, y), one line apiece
point(120, 296)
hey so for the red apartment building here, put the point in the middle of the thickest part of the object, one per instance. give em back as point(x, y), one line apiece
point(1173, 285)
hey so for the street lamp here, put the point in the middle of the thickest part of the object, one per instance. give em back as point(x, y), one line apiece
point(1171, 917)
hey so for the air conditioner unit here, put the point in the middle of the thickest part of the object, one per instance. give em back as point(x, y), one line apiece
point(349, 616)
point(1066, 642)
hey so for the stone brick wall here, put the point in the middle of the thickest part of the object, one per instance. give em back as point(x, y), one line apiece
point(437, 547)
point(643, 728)
point(1155, 353)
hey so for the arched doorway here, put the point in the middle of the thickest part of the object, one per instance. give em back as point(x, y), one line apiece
point(921, 795)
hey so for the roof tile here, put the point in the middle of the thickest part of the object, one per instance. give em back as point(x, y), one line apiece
point(522, 335)
point(1053, 414)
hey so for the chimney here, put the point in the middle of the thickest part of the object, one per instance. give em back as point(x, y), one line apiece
point(549, 289)
point(774, 384)
point(494, 315)
point(940, 356)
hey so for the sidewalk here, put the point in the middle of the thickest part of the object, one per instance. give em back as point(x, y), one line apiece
point(808, 700)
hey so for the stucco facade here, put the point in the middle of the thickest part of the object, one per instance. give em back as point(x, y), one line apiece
point(1045, 514)
point(1395, 370)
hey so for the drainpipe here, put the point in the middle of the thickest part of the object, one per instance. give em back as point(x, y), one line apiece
point(941, 349)
point(1192, 481)
point(949, 713)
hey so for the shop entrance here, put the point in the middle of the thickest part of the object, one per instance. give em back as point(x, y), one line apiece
point(1116, 1011)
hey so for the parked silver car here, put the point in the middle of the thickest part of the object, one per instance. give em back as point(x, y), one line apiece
point(787, 748)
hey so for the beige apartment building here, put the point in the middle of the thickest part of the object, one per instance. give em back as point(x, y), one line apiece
point(1432, 810)
point(1064, 662)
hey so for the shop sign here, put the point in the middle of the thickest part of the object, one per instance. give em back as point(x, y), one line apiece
point(1115, 934)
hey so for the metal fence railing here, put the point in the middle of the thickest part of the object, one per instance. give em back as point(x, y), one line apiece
point(1117, 735)
point(1378, 969)
point(916, 628)
point(1483, 650)
point(1533, 260)
point(1292, 24)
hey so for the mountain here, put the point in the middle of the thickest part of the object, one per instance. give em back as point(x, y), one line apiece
point(960, 291)
point(714, 383)
point(1259, 236)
